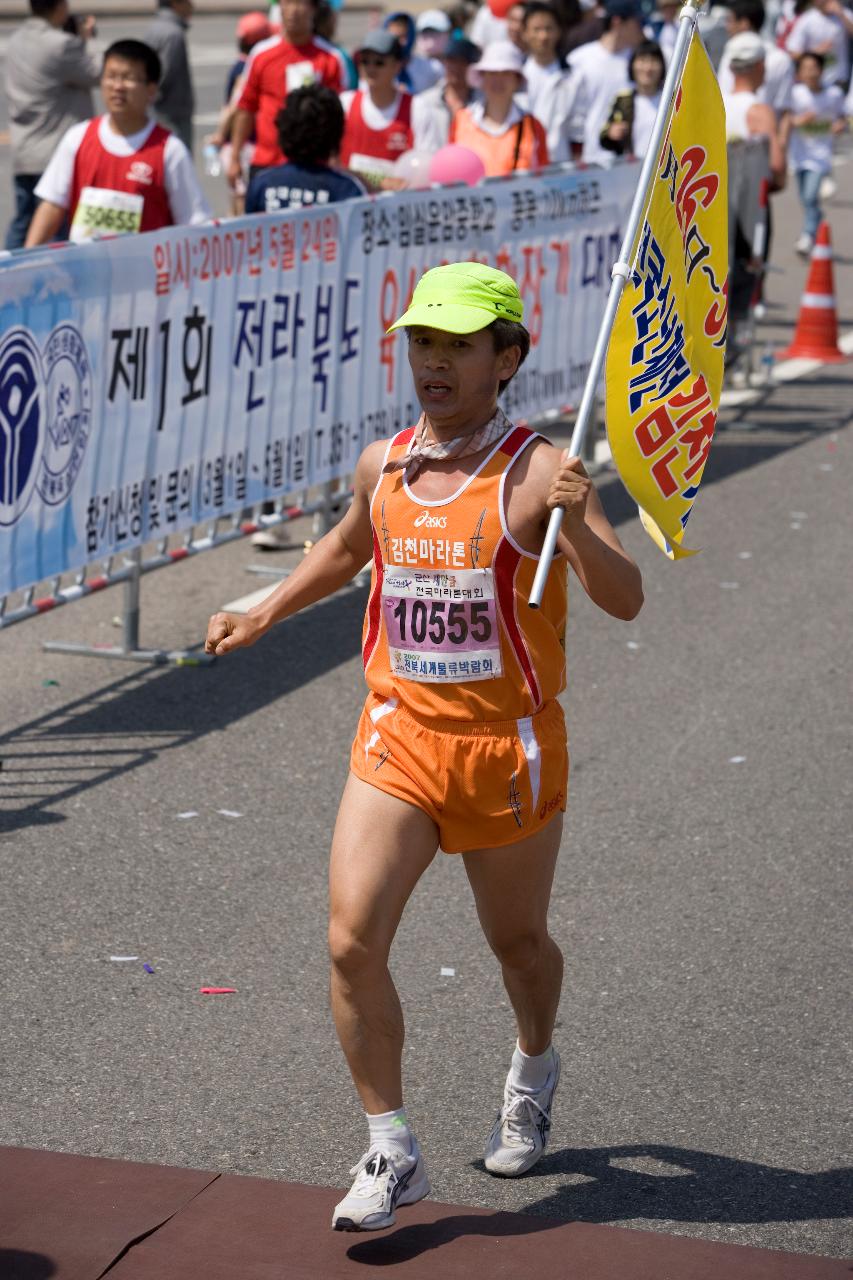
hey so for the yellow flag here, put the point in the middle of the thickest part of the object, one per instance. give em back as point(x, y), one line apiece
point(665, 359)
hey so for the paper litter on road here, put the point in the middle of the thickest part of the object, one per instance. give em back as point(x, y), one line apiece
point(736, 759)
point(447, 973)
point(122, 959)
point(229, 813)
point(632, 644)
point(148, 968)
point(189, 813)
point(744, 555)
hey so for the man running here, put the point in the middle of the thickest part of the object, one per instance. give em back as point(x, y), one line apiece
point(462, 744)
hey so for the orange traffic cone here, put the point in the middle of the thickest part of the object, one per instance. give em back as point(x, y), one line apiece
point(816, 337)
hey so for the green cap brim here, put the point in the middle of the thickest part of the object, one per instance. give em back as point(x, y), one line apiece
point(452, 317)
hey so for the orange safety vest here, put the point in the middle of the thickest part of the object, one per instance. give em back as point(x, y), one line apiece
point(521, 147)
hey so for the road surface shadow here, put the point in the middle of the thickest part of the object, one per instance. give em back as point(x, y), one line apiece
point(130, 721)
point(677, 1184)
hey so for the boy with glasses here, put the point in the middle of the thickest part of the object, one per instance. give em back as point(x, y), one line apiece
point(121, 172)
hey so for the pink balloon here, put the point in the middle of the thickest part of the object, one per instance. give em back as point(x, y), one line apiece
point(456, 164)
point(413, 168)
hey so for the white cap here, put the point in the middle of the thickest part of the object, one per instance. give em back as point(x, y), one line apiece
point(433, 20)
point(500, 55)
point(745, 50)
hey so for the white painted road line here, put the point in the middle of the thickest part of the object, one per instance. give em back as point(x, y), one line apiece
point(244, 603)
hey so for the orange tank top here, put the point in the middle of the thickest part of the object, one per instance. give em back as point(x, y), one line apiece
point(447, 630)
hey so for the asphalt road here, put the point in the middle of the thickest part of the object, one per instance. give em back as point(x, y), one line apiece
point(700, 897)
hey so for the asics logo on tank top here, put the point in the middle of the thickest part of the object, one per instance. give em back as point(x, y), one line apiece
point(426, 521)
point(139, 171)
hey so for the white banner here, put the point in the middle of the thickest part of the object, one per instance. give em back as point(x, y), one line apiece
point(149, 383)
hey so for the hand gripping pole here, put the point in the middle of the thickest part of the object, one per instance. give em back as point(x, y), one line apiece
point(621, 272)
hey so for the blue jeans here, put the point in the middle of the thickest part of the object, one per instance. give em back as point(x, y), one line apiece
point(25, 207)
point(808, 181)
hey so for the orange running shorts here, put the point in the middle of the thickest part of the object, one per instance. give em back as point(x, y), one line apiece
point(484, 785)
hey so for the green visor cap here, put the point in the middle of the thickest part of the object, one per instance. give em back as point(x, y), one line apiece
point(462, 298)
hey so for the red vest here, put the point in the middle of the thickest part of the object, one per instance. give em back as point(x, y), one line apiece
point(385, 144)
point(140, 174)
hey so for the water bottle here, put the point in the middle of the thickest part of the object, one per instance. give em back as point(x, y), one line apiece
point(768, 362)
point(212, 162)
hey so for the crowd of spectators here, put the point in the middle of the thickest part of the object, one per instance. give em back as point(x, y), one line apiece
point(305, 122)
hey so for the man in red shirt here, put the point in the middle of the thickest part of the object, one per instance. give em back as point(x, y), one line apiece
point(121, 172)
point(275, 69)
point(378, 116)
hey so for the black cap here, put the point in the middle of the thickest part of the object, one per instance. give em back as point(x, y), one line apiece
point(463, 49)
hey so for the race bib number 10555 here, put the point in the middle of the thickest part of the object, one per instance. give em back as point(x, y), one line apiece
point(442, 627)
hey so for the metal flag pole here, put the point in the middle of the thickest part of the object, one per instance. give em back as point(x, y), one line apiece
point(621, 272)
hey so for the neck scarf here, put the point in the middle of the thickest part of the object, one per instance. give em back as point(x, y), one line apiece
point(422, 450)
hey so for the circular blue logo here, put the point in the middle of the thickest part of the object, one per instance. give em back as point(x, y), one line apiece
point(21, 421)
point(69, 413)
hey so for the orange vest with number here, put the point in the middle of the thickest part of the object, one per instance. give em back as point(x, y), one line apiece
point(448, 631)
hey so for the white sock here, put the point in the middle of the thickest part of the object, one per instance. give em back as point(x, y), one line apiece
point(530, 1072)
point(390, 1132)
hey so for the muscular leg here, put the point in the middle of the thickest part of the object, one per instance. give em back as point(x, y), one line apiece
point(512, 889)
point(380, 849)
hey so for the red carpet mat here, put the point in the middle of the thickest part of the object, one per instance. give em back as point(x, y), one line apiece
point(76, 1218)
point(71, 1216)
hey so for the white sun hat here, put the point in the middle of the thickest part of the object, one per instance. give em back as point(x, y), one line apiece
point(501, 55)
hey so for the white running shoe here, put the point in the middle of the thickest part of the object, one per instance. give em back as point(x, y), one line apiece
point(382, 1181)
point(520, 1132)
point(275, 538)
point(804, 245)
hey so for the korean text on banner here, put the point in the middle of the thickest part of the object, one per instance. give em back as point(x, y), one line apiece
point(665, 359)
point(152, 382)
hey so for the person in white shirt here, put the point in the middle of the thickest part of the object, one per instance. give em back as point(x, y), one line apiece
point(825, 28)
point(748, 118)
point(750, 15)
point(541, 30)
point(629, 127)
point(599, 71)
point(434, 109)
point(551, 91)
point(746, 115)
point(121, 172)
point(818, 116)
